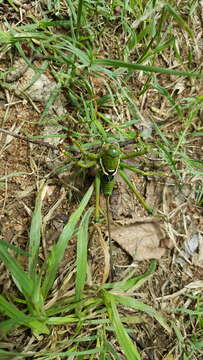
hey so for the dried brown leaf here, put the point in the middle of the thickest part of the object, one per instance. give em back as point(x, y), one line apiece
point(141, 240)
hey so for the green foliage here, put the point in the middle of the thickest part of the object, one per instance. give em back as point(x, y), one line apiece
point(35, 284)
point(190, 337)
point(53, 261)
point(124, 340)
point(81, 262)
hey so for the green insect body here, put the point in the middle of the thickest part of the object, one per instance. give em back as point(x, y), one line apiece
point(108, 183)
point(109, 161)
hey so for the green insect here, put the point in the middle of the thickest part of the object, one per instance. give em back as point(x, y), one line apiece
point(109, 161)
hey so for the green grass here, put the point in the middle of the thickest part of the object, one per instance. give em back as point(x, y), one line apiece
point(190, 332)
point(132, 49)
point(99, 307)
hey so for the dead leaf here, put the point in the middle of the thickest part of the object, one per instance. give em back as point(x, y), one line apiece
point(193, 250)
point(141, 240)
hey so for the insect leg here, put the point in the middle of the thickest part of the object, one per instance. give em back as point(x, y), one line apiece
point(135, 191)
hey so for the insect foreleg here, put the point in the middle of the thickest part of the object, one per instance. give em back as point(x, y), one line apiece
point(86, 165)
point(134, 154)
point(141, 172)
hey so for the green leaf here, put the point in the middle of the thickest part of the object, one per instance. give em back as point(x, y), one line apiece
point(20, 277)
point(134, 282)
point(57, 253)
point(35, 231)
point(147, 68)
point(81, 262)
point(129, 348)
point(57, 320)
point(19, 318)
point(128, 301)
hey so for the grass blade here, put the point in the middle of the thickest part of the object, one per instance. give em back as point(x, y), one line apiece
point(124, 340)
point(147, 68)
point(35, 230)
point(13, 175)
point(134, 282)
point(14, 248)
point(37, 75)
point(10, 309)
point(19, 318)
point(139, 305)
point(179, 19)
point(82, 243)
point(23, 282)
point(58, 250)
point(6, 355)
point(79, 16)
point(50, 101)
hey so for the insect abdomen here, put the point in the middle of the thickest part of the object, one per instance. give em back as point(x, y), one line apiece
point(108, 183)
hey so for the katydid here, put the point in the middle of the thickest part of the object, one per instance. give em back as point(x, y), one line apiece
point(109, 162)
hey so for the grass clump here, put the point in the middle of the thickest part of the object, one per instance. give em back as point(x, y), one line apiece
point(97, 306)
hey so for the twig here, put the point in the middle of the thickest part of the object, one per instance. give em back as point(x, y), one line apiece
point(40, 143)
point(14, 76)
